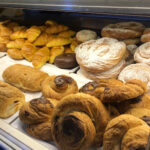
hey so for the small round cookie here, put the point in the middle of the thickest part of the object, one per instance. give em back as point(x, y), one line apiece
point(138, 71)
point(86, 35)
point(146, 35)
point(142, 53)
point(123, 30)
point(100, 55)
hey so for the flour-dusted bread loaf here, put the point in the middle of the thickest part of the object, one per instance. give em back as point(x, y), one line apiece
point(11, 99)
point(24, 77)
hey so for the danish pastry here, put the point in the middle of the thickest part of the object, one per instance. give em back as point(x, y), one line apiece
point(78, 122)
point(15, 53)
point(146, 35)
point(57, 87)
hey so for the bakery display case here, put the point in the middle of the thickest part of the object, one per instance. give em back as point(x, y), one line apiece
point(74, 75)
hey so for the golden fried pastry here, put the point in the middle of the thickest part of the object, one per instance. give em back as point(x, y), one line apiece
point(3, 47)
point(24, 77)
point(11, 99)
point(20, 34)
point(58, 41)
point(28, 50)
point(146, 35)
point(126, 132)
point(55, 51)
point(50, 23)
point(66, 34)
point(123, 30)
point(32, 33)
point(15, 53)
point(37, 110)
point(109, 92)
point(40, 131)
point(54, 29)
point(79, 119)
point(40, 57)
point(5, 31)
point(59, 86)
point(18, 43)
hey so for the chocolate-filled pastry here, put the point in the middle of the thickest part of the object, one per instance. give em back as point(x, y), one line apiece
point(59, 86)
point(11, 99)
point(37, 110)
point(78, 122)
point(41, 131)
point(110, 91)
point(66, 61)
point(24, 77)
point(126, 132)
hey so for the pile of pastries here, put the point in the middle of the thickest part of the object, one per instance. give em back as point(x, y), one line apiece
point(106, 113)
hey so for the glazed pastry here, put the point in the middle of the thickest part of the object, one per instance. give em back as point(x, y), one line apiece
point(37, 110)
point(15, 53)
point(57, 87)
point(146, 35)
point(55, 51)
point(28, 50)
point(24, 77)
point(123, 30)
point(142, 53)
point(20, 34)
point(100, 55)
point(11, 99)
point(86, 35)
point(18, 43)
point(66, 34)
point(78, 122)
point(58, 41)
point(108, 92)
point(126, 132)
point(137, 71)
point(66, 61)
point(40, 57)
point(32, 33)
point(131, 41)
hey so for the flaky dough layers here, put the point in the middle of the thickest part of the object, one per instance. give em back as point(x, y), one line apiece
point(100, 55)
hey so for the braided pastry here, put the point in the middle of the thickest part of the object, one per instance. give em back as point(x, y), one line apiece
point(126, 132)
point(59, 86)
point(79, 121)
point(113, 90)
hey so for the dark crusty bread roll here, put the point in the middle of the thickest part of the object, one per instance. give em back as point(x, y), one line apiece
point(11, 99)
point(24, 77)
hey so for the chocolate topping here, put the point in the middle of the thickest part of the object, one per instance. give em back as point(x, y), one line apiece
point(146, 119)
point(39, 101)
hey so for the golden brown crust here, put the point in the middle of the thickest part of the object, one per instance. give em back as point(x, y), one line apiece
point(69, 122)
point(146, 35)
point(20, 34)
point(5, 31)
point(3, 47)
point(15, 53)
point(11, 99)
point(24, 77)
point(18, 43)
point(59, 86)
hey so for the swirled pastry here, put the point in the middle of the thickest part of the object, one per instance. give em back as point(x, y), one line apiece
point(100, 55)
point(59, 86)
point(79, 121)
point(139, 71)
point(146, 35)
point(123, 30)
point(142, 53)
point(15, 53)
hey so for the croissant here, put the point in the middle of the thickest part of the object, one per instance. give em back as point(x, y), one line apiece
point(4, 39)
point(20, 34)
point(59, 86)
point(114, 90)
point(18, 43)
point(66, 34)
point(55, 51)
point(32, 33)
point(126, 132)
point(40, 57)
point(15, 53)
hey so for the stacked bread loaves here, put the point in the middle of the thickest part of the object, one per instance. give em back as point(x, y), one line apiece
point(102, 58)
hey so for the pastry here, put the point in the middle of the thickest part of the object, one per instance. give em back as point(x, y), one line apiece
point(138, 71)
point(24, 77)
point(111, 90)
point(18, 43)
point(3, 47)
point(5, 31)
point(11, 99)
point(68, 50)
point(66, 61)
point(20, 34)
point(146, 35)
point(66, 34)
point(4, 39)
point(100, 55)
point(74, 44)
point(57, 87)
point(40, 57)
point(131, 41)
point(142, 53)
point(15, 53)
point(86, 35)
point(78, 122)
point(126, 132)
point(50, 23)
point(37, 110)
point(123, 30)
